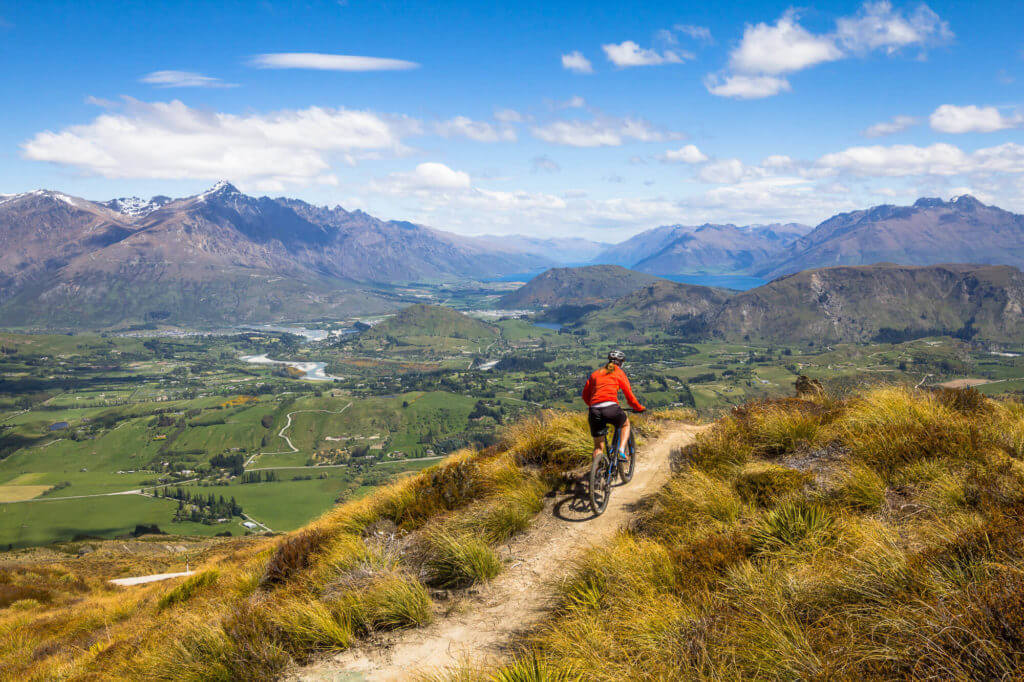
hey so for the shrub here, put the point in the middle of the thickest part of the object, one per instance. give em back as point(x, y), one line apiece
point(309, 624)
point(532, 669)
point(553, 441)
point(722, 446)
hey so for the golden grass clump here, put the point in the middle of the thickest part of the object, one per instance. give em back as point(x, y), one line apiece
point(459, 560)
point(188, 588)
point(553, 441)
point(761, 483)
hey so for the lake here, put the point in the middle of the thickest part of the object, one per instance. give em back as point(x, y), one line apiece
point(312, 371)
point(740, 282)
point(554, 326)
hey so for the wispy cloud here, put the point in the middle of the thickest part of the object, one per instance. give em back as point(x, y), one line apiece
point(601, 131)
point(628, 53)
point(183, 79)
point(702, 33)
point(478, 131)
point(895, 125)
point(575, 61)
point(329, 62)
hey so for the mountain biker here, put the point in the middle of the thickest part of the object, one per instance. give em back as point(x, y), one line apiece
point(601, 394)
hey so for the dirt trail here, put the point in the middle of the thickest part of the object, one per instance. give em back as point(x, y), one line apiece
point(518, 598)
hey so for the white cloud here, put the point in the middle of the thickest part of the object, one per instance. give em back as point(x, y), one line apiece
point(895, 125)
point(702, 33)
point(937, 159)
point(603, 131)
point(183, 79)
point(685, 154)
point(877, 26)
point(628, 53)
point(329, 62)
point(746, 87)
point(509, 116)
point(768, 51)
point(432, 175)
point(575, 61)
point(726, 172)
point(478, 131)
point(574, 102)
point(782, 48)
point(172, 140)
point(950, 118)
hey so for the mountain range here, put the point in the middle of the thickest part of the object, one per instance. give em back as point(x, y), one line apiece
point(928, 232)
point(222, 257)
point(883, 302)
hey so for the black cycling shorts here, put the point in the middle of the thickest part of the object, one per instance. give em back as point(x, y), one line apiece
point(600, 417)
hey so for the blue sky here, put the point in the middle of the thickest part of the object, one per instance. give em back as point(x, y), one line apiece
point(572, 118)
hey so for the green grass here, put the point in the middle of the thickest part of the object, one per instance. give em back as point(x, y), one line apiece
point(25, 524)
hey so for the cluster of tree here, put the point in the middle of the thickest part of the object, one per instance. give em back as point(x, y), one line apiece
point(519, 363)
point(233, 462)
point(259, 477)
point(198, 508)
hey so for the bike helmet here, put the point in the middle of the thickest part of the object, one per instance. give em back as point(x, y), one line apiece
point(617, 356)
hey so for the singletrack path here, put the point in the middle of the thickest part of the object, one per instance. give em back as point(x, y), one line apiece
point(487, 622)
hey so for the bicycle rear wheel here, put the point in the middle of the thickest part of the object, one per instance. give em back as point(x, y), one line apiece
point(627, 468)
point(600, 483)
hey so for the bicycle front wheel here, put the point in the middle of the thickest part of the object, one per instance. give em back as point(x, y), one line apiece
point(600, 483)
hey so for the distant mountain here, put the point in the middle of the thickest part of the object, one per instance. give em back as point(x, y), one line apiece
point(884, 302)
point(579, 286)
point(930, 231)
point(422, 319)
point(570, 250)
point(712, 249)
point(662, 305)
point(215, 258)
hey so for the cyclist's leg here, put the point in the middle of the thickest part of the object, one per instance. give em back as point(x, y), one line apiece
point(622, 434)
point(598, 429)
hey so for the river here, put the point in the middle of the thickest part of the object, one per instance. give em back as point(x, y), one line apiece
point(313, 371)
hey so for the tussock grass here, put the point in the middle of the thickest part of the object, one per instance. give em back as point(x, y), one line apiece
point(357, 570)
point(188, 588)
point(896, 551)
point(460, 560)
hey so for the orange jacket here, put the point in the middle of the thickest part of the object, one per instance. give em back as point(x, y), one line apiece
point(602, 387)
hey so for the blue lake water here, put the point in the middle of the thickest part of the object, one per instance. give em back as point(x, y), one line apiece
point(548, 325)
point(740, 282)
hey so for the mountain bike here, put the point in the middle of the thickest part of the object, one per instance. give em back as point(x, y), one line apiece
point(606, 466)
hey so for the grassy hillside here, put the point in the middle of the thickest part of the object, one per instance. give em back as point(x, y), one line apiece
point(422, 320)
point(878, 537)
point(661, 305)
point(588, 285)
point(365, 567)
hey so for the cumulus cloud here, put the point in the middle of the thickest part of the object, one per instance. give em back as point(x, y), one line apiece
point(329, 62)
point(725, 172)
point(183, 79)
point(478, 131)
point(895, 125)
point(602, 131)
point(741, 86)
point(628, 54)
point(767, 52)
point(574, 102)
point(429, 175)
point(575, 61)
point(685, 154)
point(878, 26)
point(171, 140)
point(950, 118)
point(781, 48)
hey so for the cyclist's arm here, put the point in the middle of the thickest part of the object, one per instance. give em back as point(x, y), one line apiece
point(628, 392)
point(588, 389)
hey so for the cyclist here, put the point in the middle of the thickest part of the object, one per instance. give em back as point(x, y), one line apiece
point(601, 394)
